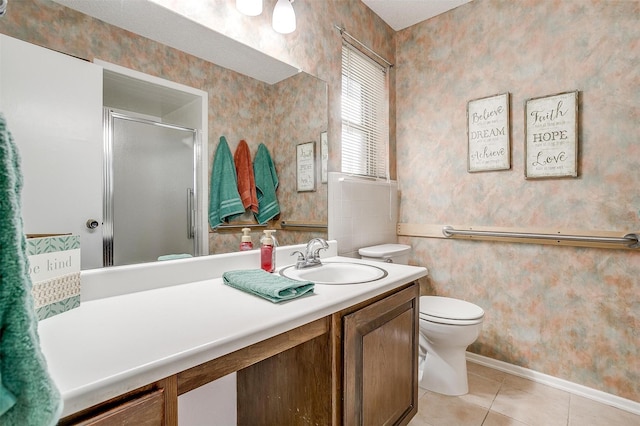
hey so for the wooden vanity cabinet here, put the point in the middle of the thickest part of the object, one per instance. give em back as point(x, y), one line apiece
point(364, 371)
point(355, 367)
point(380, 365)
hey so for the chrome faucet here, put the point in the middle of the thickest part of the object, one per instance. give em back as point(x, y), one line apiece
point(311, 256)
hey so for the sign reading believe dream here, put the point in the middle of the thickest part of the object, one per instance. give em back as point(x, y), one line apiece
point(488, 134)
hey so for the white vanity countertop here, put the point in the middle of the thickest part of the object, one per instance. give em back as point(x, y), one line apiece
point(111, 345)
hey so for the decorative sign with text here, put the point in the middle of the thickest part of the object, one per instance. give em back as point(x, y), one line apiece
point(488, 133)
point(306, 166)
point(552, 136)
point(324, 157)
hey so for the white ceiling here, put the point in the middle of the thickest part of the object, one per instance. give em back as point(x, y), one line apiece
point(170, 28)
point(180, 32)
point(400, 14)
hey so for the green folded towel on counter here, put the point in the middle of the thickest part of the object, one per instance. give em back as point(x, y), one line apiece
point(269, 286)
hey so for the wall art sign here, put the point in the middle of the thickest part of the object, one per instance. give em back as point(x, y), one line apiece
point(306, 166)
point(324, 157)
point(551, 129)
point(488, 134)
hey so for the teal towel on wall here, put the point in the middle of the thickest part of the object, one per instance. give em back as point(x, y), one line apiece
point(269, 286)
point(28, 396)
point(224, 200)
point(266, 184)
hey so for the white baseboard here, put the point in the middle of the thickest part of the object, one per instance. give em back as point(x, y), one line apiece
point(565, 385)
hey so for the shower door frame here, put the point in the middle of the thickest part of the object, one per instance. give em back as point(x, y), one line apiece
point(194, 204)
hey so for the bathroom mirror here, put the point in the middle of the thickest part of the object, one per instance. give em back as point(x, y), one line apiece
point(280, 115)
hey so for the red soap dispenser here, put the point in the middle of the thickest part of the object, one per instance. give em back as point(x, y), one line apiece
point(268, 251)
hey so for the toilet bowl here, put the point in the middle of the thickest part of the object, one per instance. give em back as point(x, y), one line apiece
point(447, 327)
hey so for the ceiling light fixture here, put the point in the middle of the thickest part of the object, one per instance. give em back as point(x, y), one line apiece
point(284, 17)
point(249, 7)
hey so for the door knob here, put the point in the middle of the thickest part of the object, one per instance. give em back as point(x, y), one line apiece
point(92, 224)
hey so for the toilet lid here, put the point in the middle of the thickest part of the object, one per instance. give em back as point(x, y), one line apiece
point(449, 308)
point(384, 250)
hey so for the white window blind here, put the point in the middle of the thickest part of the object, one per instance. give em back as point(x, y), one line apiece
point(365, 115)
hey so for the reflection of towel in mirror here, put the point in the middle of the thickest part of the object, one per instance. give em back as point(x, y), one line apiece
point(266, 185)
point(246, 181)
point(224, 200)
point(28, 396)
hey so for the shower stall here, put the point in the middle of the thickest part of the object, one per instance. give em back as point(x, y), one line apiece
point(150, 190)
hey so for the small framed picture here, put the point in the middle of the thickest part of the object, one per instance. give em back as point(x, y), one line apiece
point(306, 166)
point(488, 134)
point(551, 130)
point(324, 157)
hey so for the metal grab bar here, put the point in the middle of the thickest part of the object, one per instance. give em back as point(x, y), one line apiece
point(631, 240)
point(284, 224)
point(241, 225)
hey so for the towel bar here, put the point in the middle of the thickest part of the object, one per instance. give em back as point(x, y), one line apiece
point(631, 240)
point(241, 225)
point(284, 224)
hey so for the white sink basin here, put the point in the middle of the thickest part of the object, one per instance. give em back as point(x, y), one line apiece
point(336, 273)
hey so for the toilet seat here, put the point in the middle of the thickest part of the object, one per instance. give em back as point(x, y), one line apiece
point(446, 310)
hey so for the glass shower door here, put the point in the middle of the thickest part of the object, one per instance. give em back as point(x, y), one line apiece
point(151, 199)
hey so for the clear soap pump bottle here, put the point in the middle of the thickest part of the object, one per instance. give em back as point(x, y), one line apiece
point(246, 243)
point(267, 251)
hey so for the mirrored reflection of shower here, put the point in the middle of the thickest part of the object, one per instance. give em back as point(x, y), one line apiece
point(150, 190)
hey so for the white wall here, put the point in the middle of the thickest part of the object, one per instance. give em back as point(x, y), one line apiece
point(362, 212)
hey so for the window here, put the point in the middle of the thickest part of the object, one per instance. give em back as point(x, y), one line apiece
point(365, 115)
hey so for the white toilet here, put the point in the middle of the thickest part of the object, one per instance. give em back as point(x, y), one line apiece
point(447, 327)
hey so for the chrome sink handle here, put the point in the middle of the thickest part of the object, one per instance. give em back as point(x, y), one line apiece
point(314, 255)
point(301, 259)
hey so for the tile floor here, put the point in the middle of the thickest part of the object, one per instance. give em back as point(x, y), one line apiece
point(501, 399)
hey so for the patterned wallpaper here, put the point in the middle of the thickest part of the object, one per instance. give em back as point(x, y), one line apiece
point(572, 313)
point(569, 312)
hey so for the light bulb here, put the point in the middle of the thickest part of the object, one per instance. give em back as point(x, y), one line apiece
point(249, 7)
point(284, 17)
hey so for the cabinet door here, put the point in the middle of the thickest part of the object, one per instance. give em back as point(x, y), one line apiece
point(381, 361)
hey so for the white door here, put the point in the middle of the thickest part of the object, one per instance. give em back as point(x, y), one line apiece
point(52, 103)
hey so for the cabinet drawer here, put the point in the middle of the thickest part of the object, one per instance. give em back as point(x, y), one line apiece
point(145, 410)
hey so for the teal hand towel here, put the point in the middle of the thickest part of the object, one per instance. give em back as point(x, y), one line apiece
point(269, 286)
point(175, 256)
point(224, 200)
point(266, 184)
point(28, 396)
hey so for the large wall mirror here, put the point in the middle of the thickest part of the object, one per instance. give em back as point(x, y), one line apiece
point(280, 114)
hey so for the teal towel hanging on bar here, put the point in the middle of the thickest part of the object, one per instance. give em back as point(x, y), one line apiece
point(266, 180)
point(28, 396)
point(224, 200)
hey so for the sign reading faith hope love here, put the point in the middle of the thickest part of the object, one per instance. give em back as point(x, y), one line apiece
point(488, 133)
point(551, 131)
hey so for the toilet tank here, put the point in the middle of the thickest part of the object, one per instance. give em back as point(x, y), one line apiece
point(390, 253)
